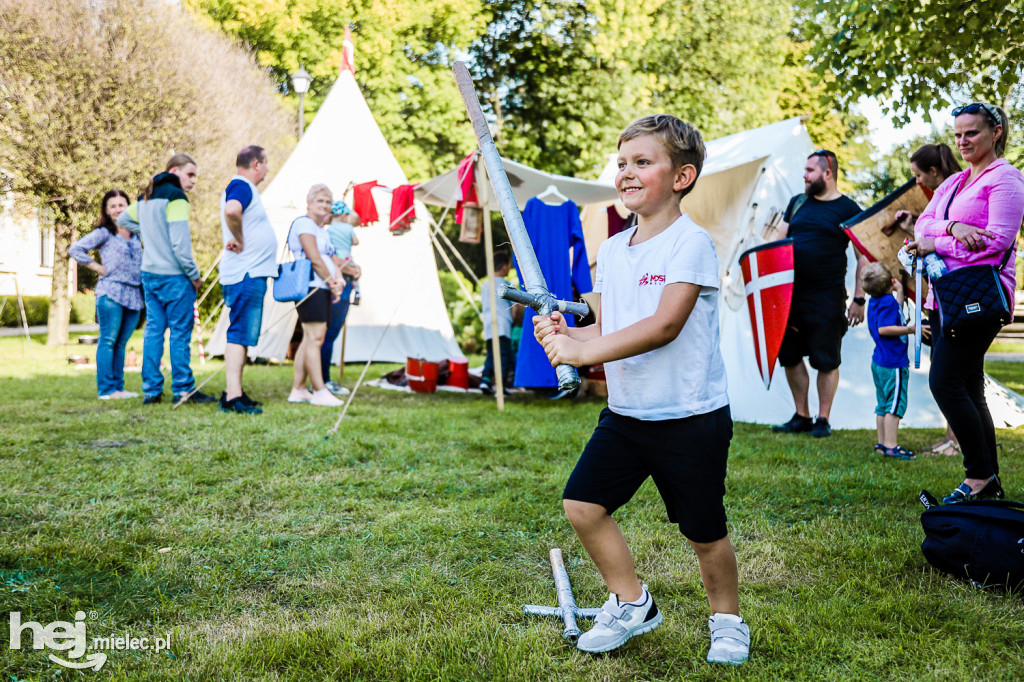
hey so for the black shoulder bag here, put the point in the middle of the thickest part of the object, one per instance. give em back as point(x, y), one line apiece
point(972, 296)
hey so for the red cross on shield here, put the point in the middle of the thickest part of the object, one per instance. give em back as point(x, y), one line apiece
point(768, 282)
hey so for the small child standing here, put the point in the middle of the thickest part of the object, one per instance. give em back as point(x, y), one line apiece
point(668, 409)
point(502, 266)
point(890, 366)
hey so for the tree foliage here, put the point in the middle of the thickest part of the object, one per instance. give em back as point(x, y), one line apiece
point(403, 55)
point(97, 95)
point(561, 79)
point(917, 54)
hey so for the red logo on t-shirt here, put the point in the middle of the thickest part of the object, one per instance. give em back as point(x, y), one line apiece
point(652, 279)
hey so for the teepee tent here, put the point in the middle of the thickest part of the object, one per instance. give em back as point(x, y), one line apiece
point(401, 292)
point(746, 178)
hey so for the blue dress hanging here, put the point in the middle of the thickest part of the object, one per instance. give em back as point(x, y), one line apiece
point(555, 231)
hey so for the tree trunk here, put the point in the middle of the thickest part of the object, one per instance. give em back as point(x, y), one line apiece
point(59, 318)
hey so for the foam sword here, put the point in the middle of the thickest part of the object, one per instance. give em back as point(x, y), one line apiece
point(536, 295)
point(918, 267)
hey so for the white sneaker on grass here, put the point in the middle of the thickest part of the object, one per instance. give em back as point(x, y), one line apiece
point(123, 395)
point(324, 398)
point(300, 396)
point(730, 639)
point(618, 622)
point(336, 388)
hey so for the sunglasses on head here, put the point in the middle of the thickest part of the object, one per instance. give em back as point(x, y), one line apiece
point(975, 107)
point(828, 158)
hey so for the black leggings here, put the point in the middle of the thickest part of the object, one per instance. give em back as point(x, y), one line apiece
point(957, 381)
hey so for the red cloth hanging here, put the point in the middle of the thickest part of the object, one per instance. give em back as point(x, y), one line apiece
point(615, 221)
point(403, 211)
point(362, 202)
point(466, 175)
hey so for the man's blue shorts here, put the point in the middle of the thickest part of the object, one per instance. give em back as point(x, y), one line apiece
point(245, 309)
point(891, 389)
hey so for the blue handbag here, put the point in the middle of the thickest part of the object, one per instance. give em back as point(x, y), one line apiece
point(292, 282)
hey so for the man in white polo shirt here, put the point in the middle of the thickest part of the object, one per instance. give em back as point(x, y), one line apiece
point(250, 248)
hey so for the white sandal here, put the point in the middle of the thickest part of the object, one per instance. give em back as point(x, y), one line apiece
point(949, 448)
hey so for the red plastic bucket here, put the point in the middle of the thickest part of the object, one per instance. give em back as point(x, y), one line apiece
point(422, 375)
point(459, 376)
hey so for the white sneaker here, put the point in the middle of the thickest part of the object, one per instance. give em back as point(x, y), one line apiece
point(300, 396)
point(109, 396)
point(730, 639)
point(618, 622)
point(123, 395)
point(336, 388)
point(323, 398)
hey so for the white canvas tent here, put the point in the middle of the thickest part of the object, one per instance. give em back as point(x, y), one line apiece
point(526, 183)
point(399, 285)
point(746, 177)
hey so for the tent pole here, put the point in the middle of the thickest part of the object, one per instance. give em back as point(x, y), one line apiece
point(499, 377)
point(451, 268)
point(469, 270)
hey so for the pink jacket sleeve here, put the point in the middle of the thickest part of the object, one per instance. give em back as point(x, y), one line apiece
point(1005, 213)
point(931, 224)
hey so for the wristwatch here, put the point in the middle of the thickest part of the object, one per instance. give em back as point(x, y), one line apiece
point(859, 300)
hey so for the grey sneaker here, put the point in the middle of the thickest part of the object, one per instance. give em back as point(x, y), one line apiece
point(336, 388)
point(730, 639)
point(618, 622)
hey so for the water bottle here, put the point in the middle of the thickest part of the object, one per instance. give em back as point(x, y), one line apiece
point(934, 266)
point(906, 259)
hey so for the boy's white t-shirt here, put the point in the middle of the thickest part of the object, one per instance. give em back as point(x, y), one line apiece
point(687, 376)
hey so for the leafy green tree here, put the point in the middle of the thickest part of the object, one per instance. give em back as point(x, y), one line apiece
point(98, 95)
point(561, 79)
point(917, 54)
point(893, 168)
point(403, 55)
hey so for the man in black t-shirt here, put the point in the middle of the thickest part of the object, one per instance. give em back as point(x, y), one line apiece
point(818, 317)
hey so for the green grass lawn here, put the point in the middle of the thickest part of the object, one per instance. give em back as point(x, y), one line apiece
point(405, 546)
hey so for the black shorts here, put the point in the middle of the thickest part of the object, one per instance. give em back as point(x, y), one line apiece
point(815, 330)
point(685, 457)
point(316, 308)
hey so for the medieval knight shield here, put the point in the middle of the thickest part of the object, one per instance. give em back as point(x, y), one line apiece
point(768, 282)
point(877, 234)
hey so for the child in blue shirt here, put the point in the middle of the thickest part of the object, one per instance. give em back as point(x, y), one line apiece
point(890, 366)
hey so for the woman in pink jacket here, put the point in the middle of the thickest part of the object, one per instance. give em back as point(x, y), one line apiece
point(985, 209)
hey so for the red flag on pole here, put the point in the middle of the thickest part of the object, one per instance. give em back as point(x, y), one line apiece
point(768, 282)
point(348, 52)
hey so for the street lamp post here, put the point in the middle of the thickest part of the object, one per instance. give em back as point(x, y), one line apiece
point(300, 83)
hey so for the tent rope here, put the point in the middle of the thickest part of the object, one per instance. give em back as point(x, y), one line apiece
point(359, 382)
point(447, 261)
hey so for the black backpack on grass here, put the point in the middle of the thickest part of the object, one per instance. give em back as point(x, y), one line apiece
point(981, 541)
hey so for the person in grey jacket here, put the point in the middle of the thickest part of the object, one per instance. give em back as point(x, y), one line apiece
point(170, 277)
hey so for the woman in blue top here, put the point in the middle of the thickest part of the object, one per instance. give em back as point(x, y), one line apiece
point(118, 292)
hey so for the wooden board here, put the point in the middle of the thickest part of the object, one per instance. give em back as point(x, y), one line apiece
point(875, 234)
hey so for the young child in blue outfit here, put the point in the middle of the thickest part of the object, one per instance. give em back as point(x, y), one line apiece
point(668, 409)
point(890, 366)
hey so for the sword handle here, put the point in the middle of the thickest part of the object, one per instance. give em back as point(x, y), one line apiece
point(568, 377)
point(577, 308)
point(516, 295)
